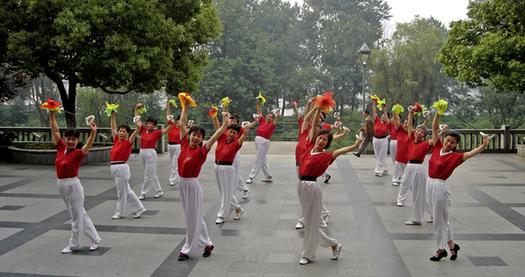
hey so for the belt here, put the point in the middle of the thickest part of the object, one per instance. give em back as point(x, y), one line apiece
point(223, 163)
point(173, 143)
point(308, 178)
point(296, 163)
point(377, 137)
point(114, 163)
point(415, 162)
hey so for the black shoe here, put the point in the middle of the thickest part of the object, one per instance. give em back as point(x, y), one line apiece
point(327, 178)
point(207, 250)
point(182, 257)
point(441, 253)
point(357, 154)
point(454, 256)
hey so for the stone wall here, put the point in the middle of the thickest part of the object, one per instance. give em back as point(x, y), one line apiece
point(47, 157)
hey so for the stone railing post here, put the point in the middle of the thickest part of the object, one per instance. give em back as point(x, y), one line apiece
point(506, 138)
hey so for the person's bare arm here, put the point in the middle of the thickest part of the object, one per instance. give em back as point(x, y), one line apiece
point(219, 131)
point(477, 150)
point(295, 110)
point(113, 124)
point(133, 135)
point(308, 119)
point(315, 125)
point(339, 134)
point(90, 139)
point(244, 134)
point(435, 128)
point(167, 129)
point(216, 123)
point(258, 109)
point(374, 110)
point(396, 121)
point(55, 131)
point(410, 124)
point(183, 121)
point(347, 149)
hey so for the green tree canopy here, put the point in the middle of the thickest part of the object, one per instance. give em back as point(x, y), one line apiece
point(119, 46)
point(488, 48)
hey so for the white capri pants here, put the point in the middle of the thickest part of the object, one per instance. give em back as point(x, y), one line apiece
point(225, 175)
point(397, 176)
point(148, 157)
point(392, 147)
point(127, 200)
point(415, 177)
point(173, 155)
point(73, 194)
point(196, 231)
point(325, 212)
point(380, 150)
point(440, 195)
point(311, 196)
point(241, 185)
point(261, 145)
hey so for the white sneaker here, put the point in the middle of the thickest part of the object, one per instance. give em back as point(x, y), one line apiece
point(249, 180)
point(238, 215)
point(395, 184)
point(379, 174)
point(158, 194)
point(304, 261)
point(323, 222)
point(219, 220)
point(116, 216)
point(139, 213)
point(244, 194)
point(172, 184)
point(430, 220)
point(267, 180)
point(299, 225)
point(142, 197)
point(399, 204)
point(94, 245)
point(412, 222)
point(68, 250)
point(336, 252)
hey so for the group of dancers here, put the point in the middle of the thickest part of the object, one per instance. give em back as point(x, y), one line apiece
point(187, 152)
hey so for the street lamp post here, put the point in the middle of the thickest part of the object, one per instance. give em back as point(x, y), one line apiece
point(364, 57)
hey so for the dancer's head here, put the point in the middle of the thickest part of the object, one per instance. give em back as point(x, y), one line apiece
point(151, 123)
point(195, 136)
point(323, 139)
point(234, 119)
point(366, 113)
point(420, 133)
point(123, 132)
point(232, 132)
point(451, 141)
point(71, 135)
point(270, 118)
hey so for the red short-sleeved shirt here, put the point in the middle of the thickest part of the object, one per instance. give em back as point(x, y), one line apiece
point(174, 133)
point(67, 164)
point(380, 127)
point(225, 152)
point(402, 145)
point(265, 129)
point(417, 151)
point(314, 164)
point(149, 139)
point(302, 142)
point(121, 150)
point(393, 131)
point(441, 165)
point(300, 121)
point(191, 160)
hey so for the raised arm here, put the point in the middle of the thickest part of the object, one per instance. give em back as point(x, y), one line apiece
point(55, 131)
point(133, 135)
point(347, 149)
point(315, 124)
point(219, 131)
point(385, 115)
point(435, 128)
point(167, 129)
point(396, 121)
point(258, 109)
point(113, 124)
point(374, 110)
point(244, 134)
point(183, 121)
point(276, 117)
point(296, 110)
point(477, 150)
point(90, 139)
point(340, 134)
point(216, 123)
point(308, 119)
point(410, 124)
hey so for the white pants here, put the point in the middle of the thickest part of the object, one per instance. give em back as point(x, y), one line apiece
point(127, 199)
point(148, 158)
point(440, 195)
point(73, 194)
point(380, 150)
point(261, 145)
point(399, 168)
point(173, 154)
point(311, 196)
point(324, 210)
point(225, 175)
point(196, 231)
point(241, 185)
point(392, 147)
point(415, 177)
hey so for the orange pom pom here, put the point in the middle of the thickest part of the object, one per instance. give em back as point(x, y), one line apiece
point(213, 111)
point(186, 100)
point(51, 105)
point(325, 102)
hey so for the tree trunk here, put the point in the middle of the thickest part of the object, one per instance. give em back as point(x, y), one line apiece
point(68, 97)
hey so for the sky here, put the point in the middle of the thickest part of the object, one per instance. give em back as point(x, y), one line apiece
point(405, 10)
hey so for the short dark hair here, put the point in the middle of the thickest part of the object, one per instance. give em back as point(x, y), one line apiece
point(330, 136)
point(234, 116)
point(178, 117)
point(234, 127)
point(125, 127)
point(453, 134)
point(152, 120)
point(197, 129)
point(72, 132)
point(367, 112)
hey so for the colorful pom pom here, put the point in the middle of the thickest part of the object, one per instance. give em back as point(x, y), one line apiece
point(110, 108)
point(398, 109)
point(325, 102)
point(140, 109)
point(381, 104)
point(213, 111)
point(226, 101)
point(51, 105)
point(173, 102)
point(374, 98)
point(440, 106)
point(186, 100)
point(260, 98)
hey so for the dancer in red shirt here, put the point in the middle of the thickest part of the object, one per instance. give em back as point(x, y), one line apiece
point(119, 155)
point(192, 157)
point(173, 145)
point(380, 140)
point(262, 144)
point(67, 163)
point(444, 160)
point(313, 164)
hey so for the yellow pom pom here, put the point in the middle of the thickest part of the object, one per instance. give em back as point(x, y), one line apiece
point(441, 106)
point(260, 98)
